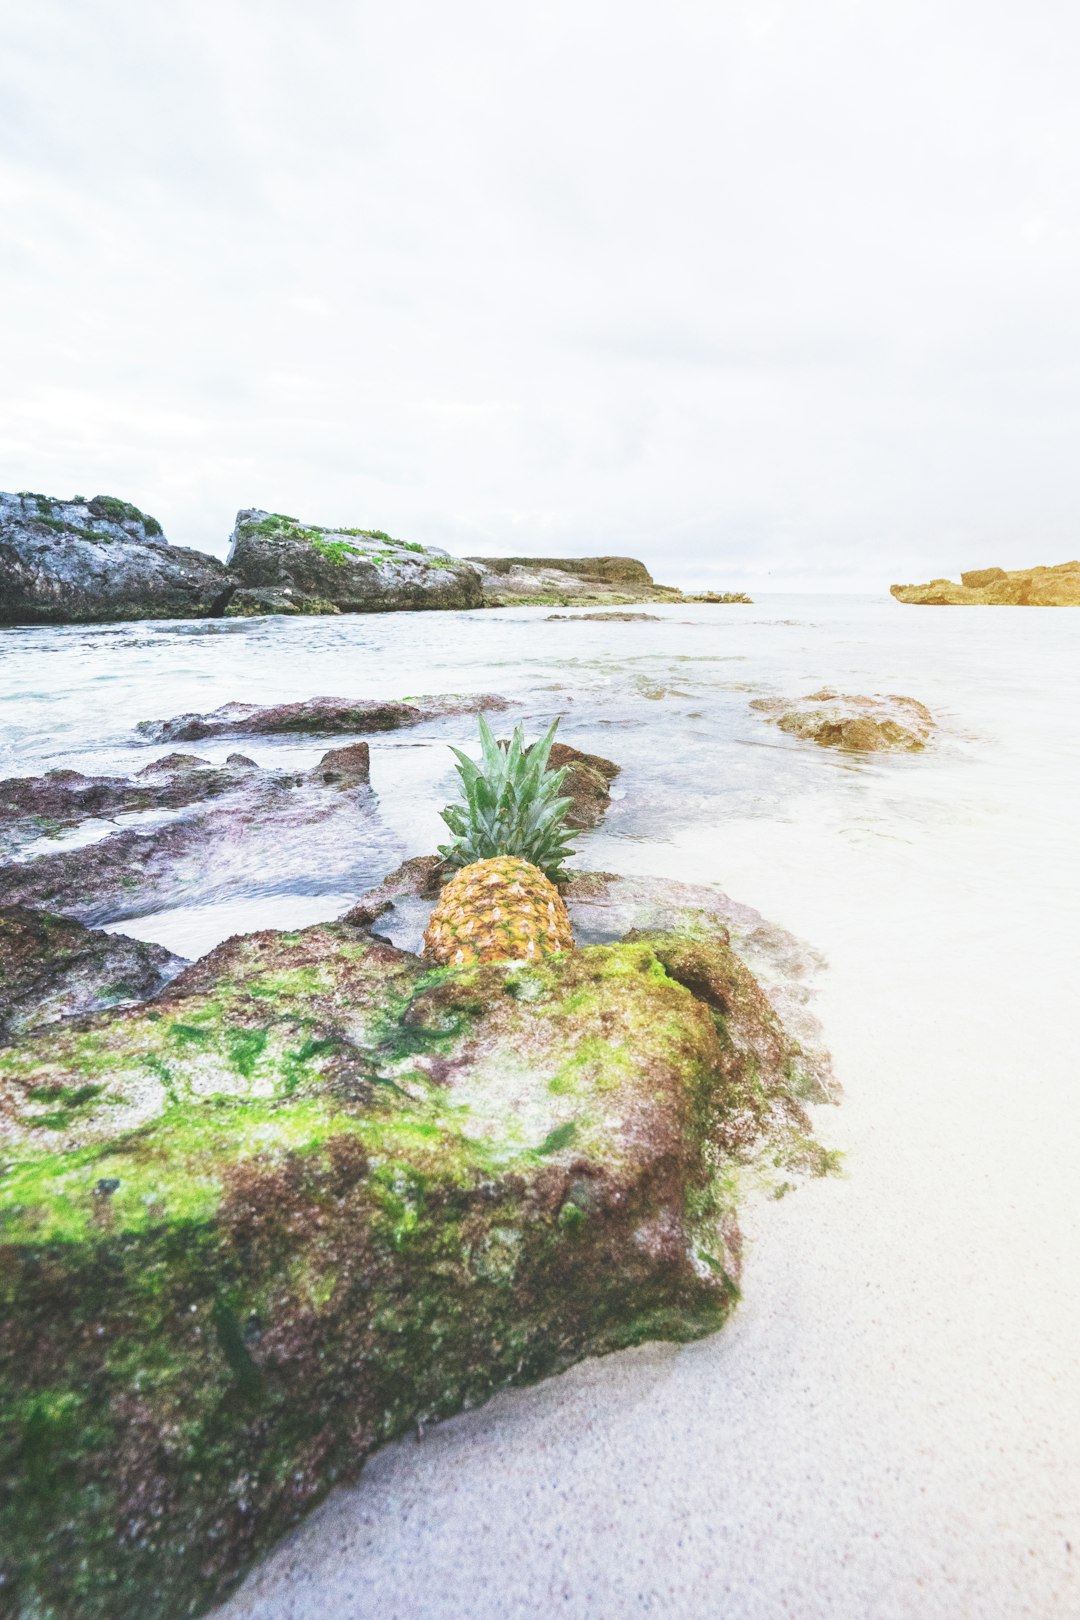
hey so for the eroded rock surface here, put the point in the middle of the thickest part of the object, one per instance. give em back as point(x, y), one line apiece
point(305, 825)
point(318, 716)
point(83, 561)
point(1058, 586)
point(52, 968)
point(318, 1193)
point(863, 725)
point(292, 567)
point(521, 581)
point(33, 807)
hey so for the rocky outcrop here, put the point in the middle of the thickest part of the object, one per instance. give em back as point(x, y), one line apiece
point(318, 716)
point(1058, 586)
point(311, 826)
point(587, 783)
point(566, 581)
point(33, 807)
point(79, 561)
point(311, 569)
point(864, 725)
point(318, 1194)
point(52, 968)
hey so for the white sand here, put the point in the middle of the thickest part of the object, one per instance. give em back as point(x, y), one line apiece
point(890, 1426)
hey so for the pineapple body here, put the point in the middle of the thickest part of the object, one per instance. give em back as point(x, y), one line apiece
point(498, 910)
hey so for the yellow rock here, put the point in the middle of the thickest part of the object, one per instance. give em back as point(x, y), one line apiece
point(994, 587)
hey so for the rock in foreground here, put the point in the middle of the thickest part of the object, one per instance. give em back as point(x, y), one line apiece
point(994, 587)
point(291, 567)
point(317, 1194)
point(79, 562)
point(52, 968)
point(318, 716)
point(864, 725)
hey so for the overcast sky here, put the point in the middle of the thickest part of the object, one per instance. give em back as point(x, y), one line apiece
point(768, 294)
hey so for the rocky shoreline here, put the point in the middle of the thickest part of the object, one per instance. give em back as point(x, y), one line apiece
point(102, 560)
point(262, 1212)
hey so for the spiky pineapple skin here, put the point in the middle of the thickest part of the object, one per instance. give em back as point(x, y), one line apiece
point(498, 910)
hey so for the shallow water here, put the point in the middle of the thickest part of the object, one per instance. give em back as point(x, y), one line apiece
point(891, 1424)
point(669, 701)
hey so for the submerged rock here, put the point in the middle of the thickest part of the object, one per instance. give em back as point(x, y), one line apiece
point(52, 968)
point(79, 561)
point(316, 570)
point(33, 807)
point(314, 826)
point(318, 716)
point(318, 1194)
point(615, 618)
point(1058, 586)
point(861, 724)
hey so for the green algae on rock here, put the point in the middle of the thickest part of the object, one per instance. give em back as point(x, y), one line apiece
point(317, 1193)
point(292, 567)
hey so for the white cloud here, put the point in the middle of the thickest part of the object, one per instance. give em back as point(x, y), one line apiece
point(765, 293)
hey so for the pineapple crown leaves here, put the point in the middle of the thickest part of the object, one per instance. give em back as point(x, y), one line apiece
point(512, 805)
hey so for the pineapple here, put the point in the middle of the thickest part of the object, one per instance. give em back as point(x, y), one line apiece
point(510, 841)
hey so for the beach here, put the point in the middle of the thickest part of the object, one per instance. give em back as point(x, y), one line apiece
point(889, 1426)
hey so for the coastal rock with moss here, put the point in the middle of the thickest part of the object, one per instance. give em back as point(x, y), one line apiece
point(313, 569)
point(1058, 586)
point(318, 1193)
point(86, 561)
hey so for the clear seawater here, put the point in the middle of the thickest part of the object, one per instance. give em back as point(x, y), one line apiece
point(702, 774)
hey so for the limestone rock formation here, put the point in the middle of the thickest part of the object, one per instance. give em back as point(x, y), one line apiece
point(84, 561)
point(863, 725)
point(304, 568)
point(1058, 586)
point(316, 1194)
point(568, 581)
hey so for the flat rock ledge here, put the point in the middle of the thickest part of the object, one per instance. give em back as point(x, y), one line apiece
point(317, 1193)
point(1058, 586)
point(287, 822)
point(863, 725)
point(317, 716)
point(600, 618)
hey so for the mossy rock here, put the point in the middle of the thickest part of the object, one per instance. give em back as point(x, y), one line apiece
point(317, 1193)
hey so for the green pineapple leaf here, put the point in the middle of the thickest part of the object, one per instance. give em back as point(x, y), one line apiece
point(512, 805)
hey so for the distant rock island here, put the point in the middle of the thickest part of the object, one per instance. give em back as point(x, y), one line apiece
point(995, 587)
